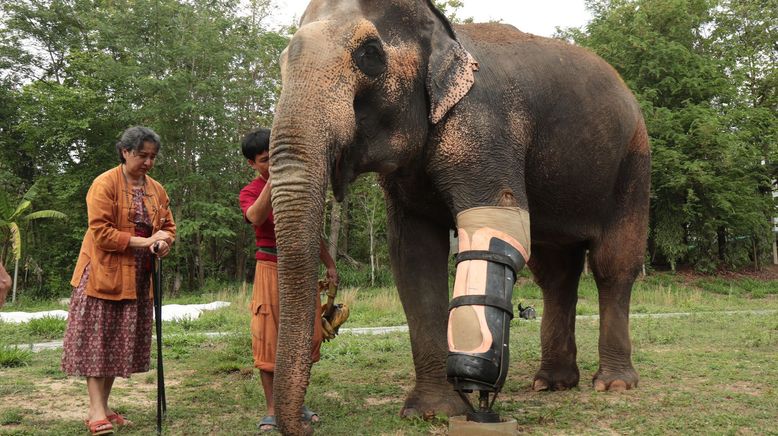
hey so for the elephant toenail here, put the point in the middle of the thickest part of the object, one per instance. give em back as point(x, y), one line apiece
point(560, 386)
point(618, 386)
point(540, 385)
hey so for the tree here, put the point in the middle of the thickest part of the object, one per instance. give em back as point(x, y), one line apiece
point(450, 8)
point(200, 73)
point(746, 37)
point(369, 217)
point(12, 223)
point(709, 186)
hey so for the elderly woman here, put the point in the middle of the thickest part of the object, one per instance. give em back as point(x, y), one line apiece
point(111, 309)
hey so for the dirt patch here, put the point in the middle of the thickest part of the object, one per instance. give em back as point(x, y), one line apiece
point(67, 400)
point(744, 387)
point(58, 399)
point(333, 395)
point(372, 401)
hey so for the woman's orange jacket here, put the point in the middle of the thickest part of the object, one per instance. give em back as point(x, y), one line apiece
point(106, 242)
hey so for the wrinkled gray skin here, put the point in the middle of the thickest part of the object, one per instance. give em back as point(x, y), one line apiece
point(545, 126)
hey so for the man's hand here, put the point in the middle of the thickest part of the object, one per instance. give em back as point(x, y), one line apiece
point(332, 275)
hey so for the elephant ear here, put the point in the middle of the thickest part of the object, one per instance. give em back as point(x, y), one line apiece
point(449, 70)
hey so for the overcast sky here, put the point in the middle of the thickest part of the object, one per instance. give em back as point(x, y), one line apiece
point(540, 17)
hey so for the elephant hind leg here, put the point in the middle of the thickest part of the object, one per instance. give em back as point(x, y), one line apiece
point(616, 258)
point(616, 262)
point(557, 271)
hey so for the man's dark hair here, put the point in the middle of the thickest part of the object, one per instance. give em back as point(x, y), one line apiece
point(255, 143)
point(133, 138)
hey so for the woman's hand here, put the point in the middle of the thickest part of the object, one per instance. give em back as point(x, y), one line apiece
point(159, 243)
point(161, 235)
point(160, 248)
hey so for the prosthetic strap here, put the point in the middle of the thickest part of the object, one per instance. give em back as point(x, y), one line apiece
point(493, 247)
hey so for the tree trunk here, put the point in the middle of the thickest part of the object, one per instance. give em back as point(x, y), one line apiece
point(721, 237)
point(200, 268)
point(335, 220)
point(240, 254)
point(344, 224)
point(372, 254)
point(16, 280)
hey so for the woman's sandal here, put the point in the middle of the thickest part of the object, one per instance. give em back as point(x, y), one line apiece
point(269, 422)
point(118, 420)
point(99, 426)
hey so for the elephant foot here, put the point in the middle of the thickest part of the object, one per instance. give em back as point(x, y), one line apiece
point(559, 379)
point(616, 381)
point(428, 405)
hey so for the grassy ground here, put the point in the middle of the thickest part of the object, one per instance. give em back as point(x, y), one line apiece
point(707, 373)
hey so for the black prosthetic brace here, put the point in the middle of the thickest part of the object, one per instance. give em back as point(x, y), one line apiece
point(486, 372)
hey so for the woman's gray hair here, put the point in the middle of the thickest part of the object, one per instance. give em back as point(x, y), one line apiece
point(133, 138)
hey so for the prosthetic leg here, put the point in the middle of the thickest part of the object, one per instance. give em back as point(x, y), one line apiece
point(493, 246)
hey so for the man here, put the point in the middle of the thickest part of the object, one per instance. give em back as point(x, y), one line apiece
point(255, 203)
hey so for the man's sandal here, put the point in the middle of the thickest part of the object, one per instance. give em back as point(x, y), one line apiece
point(269, 424)
point(118, 420)
point(99, 426)
point(309, 415)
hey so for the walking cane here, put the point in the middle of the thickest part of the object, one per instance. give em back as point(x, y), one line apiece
point(161, 403)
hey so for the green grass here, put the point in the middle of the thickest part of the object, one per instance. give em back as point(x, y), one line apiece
point(12, 357)
point(46, 327)
point(707, 373)
point(11, 416)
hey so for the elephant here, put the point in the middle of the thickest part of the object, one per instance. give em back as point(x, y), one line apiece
point(451, 118)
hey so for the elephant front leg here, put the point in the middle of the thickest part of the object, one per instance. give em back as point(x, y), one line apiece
point(492, 243)
point(419, 253)
point(557, 271)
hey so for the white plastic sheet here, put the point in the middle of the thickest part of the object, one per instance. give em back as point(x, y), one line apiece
point(170, 312)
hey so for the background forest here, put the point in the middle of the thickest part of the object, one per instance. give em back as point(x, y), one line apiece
point(75, 73)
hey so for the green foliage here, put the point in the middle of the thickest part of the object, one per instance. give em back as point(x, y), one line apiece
point(351, 275)
point(704, 74)
point(15, 222)
point(450, 9)
point(200, 73)
point(367, 233)
point(13, 218)
point(74, 74)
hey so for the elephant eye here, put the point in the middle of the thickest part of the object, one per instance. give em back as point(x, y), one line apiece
point(370, 58)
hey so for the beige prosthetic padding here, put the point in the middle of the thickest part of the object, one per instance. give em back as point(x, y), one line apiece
point(512, 221)
point(467, 328)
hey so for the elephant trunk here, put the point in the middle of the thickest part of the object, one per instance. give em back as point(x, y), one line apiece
point(298, 196)
point(309, 128)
